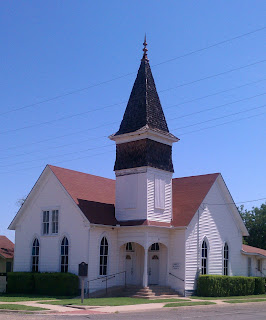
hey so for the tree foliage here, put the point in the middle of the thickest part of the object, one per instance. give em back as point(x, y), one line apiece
point(255, 222)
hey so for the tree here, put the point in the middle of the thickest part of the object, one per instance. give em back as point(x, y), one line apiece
point(255, 222)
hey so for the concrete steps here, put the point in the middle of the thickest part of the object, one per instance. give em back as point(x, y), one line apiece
point(151, 292)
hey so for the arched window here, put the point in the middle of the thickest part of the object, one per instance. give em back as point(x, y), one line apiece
point(204, 258)
point(35, 256)
point(129, 247)
point(64, 255)
point(226, 260)
point(155, 247)
point(103, 257)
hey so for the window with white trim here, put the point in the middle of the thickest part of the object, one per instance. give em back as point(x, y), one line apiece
point(35, 256)
point(159, 193)
point(45, 222)
point(204, 258)
point(103, 257)
point(50, 222)
point(64, 255)
point(226, 260)
point(54, 221)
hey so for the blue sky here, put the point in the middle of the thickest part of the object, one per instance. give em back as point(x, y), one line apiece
point(52, 48)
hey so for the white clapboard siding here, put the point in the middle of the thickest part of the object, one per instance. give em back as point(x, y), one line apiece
point(71, 224)
point(217, 225)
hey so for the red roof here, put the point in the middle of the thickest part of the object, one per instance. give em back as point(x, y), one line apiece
point(95, 196)
point(188, 194)
point(253, 250)
point(6, 248)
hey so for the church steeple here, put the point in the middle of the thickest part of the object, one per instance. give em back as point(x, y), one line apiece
point(144, 106)
point(143, 139)
point(143, 165)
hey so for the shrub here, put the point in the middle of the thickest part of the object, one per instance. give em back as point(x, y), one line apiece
point(57, 284)
point(63, 284)
point(223, 286)
point(20, 282)
point(259, 285)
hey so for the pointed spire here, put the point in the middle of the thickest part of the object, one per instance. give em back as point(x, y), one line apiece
point(145, 57)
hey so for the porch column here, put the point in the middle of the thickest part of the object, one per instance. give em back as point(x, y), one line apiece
point(145, 270)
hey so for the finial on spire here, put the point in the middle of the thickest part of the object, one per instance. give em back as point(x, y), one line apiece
point(145, 57)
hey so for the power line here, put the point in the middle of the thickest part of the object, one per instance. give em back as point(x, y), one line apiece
point(213, 119)
point(223, 204)
point(62, 161)
point(200, 111)
point(218, 118)
point(208, 109)
point(130, 73)
point(61, 155)
point(220, 106)
point(97, 109)
point(81, 131)
point(214, 94)
point(221, 124)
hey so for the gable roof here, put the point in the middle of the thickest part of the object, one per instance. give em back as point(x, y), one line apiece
point(253, 250)
point(188, 194)
point(6, 248)
point(94, 195)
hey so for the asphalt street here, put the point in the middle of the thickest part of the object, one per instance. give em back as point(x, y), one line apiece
point(246, 311)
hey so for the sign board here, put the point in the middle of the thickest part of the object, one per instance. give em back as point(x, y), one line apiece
point(176, 266)
point(83, 269)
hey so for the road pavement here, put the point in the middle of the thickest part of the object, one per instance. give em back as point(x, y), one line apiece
point(243, 311)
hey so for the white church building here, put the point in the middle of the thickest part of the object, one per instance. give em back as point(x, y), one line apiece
point(159, 229)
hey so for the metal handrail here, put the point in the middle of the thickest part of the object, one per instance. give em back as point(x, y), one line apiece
point(176, 276)
point(109, 275)
point(106, 278)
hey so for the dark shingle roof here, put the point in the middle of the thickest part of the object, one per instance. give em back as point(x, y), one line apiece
point(144, 107)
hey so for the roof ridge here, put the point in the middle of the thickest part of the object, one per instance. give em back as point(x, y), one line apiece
point(200, 175)
point(80, 172)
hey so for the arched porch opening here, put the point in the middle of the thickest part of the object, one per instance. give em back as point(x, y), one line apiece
point(157, 264)
point(131, 260)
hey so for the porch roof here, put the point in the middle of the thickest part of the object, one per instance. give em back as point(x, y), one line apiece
point(253, 251)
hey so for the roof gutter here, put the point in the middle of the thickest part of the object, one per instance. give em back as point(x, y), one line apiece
point(252, 254)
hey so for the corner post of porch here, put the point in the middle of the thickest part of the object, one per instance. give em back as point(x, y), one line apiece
point(145, 271)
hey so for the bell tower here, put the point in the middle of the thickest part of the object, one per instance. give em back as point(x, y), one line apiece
point(143, 165)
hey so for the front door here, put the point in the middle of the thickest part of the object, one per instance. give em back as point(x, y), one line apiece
point(153, 269)
point(129, 268)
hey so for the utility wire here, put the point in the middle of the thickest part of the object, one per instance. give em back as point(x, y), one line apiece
point(208, 109)
point(68, 144)
point(82, 131)
point(109, 145)
point(218, 118)
point(217, 107)
point(131, 73)
point(223, 204)
point(62, 161)
point(221, 124)
point(97, 109)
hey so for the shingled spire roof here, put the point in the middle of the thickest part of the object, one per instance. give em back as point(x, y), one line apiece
point(144, 108)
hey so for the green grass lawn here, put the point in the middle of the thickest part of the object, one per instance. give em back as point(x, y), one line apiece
point(192, 303)
point(27, 297)
point(19, 307)
point(117, 301)
point(231, 297)
point(244, 300)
